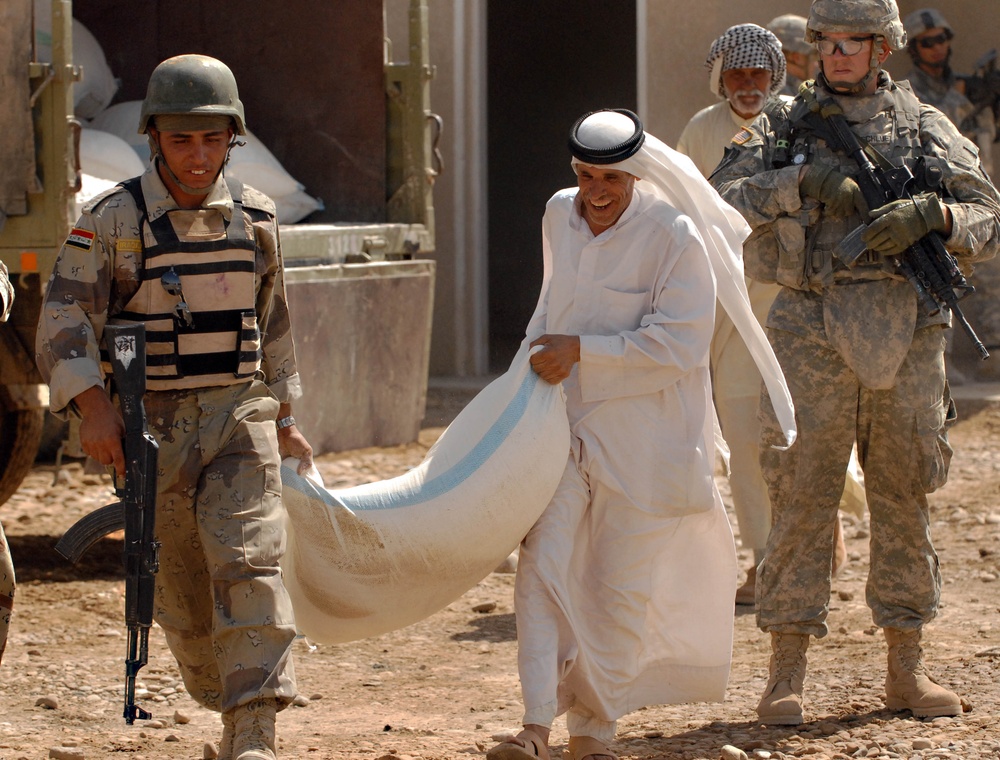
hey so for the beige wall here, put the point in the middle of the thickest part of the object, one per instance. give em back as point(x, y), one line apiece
point(678, 39)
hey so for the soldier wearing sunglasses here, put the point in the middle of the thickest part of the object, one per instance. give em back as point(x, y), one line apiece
point(929, 38)
point(863, 360)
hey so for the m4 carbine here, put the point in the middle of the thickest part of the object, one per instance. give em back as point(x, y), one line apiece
point(135, 512)
point(927, 265)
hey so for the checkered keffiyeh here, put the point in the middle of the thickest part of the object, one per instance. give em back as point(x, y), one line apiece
point(746, 46)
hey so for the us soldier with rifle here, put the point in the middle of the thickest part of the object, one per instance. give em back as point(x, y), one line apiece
point(928, 42)
point(862, 347)
point(193, 258)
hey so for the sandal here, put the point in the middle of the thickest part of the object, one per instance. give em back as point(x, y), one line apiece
point(582, 747)
point(531, 746)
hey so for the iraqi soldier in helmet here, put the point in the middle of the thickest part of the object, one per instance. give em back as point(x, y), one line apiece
point(929, 37)
point(194, 257)
point(863, 359)
point(800, 56)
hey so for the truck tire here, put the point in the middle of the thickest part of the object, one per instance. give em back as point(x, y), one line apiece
point(20, 434)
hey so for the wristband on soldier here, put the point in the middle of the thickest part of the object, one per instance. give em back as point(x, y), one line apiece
point(285, 422)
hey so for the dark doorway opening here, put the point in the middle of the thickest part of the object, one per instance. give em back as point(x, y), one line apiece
point(547, 64)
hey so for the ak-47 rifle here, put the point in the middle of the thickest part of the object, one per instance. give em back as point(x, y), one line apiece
point(136, 510)
point(983, 87)
point(927, 265)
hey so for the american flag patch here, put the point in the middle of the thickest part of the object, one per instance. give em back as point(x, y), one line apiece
point(743, 135)
point(82, 239)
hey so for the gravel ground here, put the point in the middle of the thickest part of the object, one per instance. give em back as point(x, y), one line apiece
point(440, 689)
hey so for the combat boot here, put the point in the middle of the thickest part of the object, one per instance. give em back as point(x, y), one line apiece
point(907, 683)
point(782, 701)
point(228, 731)
point(253, 730)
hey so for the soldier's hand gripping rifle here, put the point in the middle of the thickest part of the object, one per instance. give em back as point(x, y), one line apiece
point(927, 265)
point(136, 510)
point(983, 88)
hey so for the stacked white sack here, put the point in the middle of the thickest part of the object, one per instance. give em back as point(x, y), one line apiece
point(363, 561)
point(92, 94)
point(105, 160)
point(252, 164)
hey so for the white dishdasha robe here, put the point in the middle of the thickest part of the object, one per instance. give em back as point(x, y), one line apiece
point(624, 592)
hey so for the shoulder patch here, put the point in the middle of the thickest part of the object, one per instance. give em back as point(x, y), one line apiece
point(744, 136)
point(81, 238)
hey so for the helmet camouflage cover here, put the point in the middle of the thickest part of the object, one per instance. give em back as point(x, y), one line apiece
point(880, 17)
point(791, 30)
point(192, 85)
point(920, 21)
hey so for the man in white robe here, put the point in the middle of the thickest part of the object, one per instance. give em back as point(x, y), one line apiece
point(625, 584)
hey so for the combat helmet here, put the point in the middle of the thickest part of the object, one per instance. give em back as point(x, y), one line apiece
point(195, 85)
point(859, 17)
point(879, 17)
point(918, 22)
point(790, 28)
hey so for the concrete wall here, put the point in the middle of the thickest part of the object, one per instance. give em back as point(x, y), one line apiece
point(367, 386)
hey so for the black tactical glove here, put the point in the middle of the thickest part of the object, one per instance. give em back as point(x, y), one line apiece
point(838, 193)
point(900, 224)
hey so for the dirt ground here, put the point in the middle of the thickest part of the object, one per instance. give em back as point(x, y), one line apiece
point(439, 690)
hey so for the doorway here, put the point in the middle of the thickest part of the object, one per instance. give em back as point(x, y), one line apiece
point(548, 63)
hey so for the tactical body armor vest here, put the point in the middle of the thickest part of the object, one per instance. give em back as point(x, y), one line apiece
point(805, 255)
point(196, 295)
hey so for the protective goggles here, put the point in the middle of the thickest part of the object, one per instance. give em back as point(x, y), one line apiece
point(850, 46)
point(929, 42)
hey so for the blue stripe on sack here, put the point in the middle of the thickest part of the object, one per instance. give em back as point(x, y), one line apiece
point(440, 485)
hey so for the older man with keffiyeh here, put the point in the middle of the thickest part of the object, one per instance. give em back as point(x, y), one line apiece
point(747, 68)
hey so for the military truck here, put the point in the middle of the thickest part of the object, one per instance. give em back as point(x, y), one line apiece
point(322, 89)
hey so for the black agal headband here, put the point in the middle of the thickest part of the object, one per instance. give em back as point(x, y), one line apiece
point(598, 142)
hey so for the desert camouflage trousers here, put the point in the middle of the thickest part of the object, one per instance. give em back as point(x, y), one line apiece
point(6, 591)
point(903, 450)
point(220, 598)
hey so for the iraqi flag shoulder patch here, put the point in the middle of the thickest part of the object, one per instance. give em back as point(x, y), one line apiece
point(82, 239)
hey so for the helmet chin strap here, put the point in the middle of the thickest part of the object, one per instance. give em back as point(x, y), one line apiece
point(161, 161)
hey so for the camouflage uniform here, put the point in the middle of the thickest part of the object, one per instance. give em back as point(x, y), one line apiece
point(6, 565)
point(945, 92)
point(863, 362)
point(219, 594)
point(983, 309)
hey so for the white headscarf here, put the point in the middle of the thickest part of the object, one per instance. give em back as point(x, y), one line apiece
point(675, 179)
point(746, 46)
